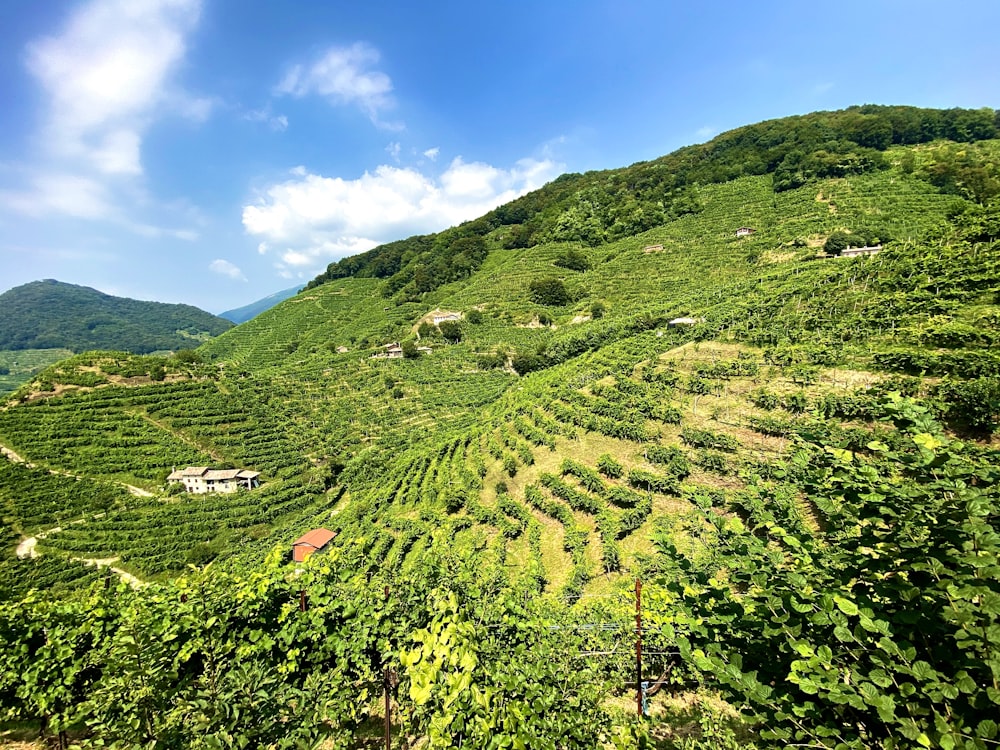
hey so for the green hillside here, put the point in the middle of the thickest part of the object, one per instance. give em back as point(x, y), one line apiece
point(802, 475)
point(52, 315)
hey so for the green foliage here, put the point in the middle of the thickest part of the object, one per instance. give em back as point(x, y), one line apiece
point(550, 291)
point(826, 640)
point(50, 314)
point(608, 466)
point(973, 404)
point(572, 259)
point(708, 439)
point(451, 330)
point(187, 356)
point(836, 243)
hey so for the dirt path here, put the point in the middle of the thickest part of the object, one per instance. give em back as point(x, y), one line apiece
point(11, 455)
point(108, 562)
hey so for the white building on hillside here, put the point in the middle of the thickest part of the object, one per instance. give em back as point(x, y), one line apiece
point(201, 479)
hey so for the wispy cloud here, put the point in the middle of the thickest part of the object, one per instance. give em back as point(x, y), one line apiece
point(54, 193)
point(706, 131)
point(106, 73)
point(311, 219)
point(266, 116)
point(345, 76)
point(432, 153)
point(225, 268)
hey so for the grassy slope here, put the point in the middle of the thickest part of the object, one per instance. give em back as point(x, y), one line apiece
point(278, 397)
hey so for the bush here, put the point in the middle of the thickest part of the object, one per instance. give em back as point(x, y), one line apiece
point(188, 356)
point(573, 259)
point(974, 404)
point(451, 331)
point(836, 243)
point(550, 291)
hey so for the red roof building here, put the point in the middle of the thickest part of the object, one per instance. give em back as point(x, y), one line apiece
point(309, 542)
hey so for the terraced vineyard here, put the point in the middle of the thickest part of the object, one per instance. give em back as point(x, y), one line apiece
point(509, 481)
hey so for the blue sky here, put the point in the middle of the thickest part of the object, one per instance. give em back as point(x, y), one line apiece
point(215, 151)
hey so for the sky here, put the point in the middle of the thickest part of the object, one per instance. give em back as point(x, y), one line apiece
point(213, 152)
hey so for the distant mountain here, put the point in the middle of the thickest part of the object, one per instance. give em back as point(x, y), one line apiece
point(245, 313)
point(50, 315)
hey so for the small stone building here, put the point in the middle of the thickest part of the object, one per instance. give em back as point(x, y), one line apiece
point(745, 231)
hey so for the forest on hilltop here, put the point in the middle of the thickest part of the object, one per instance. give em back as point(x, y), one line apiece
point(783, 461)
point(53, 315)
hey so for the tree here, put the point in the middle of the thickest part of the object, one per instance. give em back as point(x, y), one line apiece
point(451, 330)
point(573, 259)
point(597, 310)
point(474, 316)
point(409, 350)
point(836, 243)
point(549, 291)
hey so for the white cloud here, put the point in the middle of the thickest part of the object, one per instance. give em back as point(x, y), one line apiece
point(432, 153)
point(60, 193)
point(311, 219)
point(706, 131)
point(106, 74)
point(265, 115)
point(225, 268)
point(393, 150)
point(344, 75)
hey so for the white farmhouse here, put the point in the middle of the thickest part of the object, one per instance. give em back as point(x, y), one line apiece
point(201, 479)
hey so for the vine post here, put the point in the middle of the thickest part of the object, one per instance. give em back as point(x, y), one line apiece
point(638, 647)
point(385, 687)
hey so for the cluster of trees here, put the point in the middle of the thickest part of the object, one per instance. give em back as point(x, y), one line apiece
point(963, 171)
point(419, 264)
